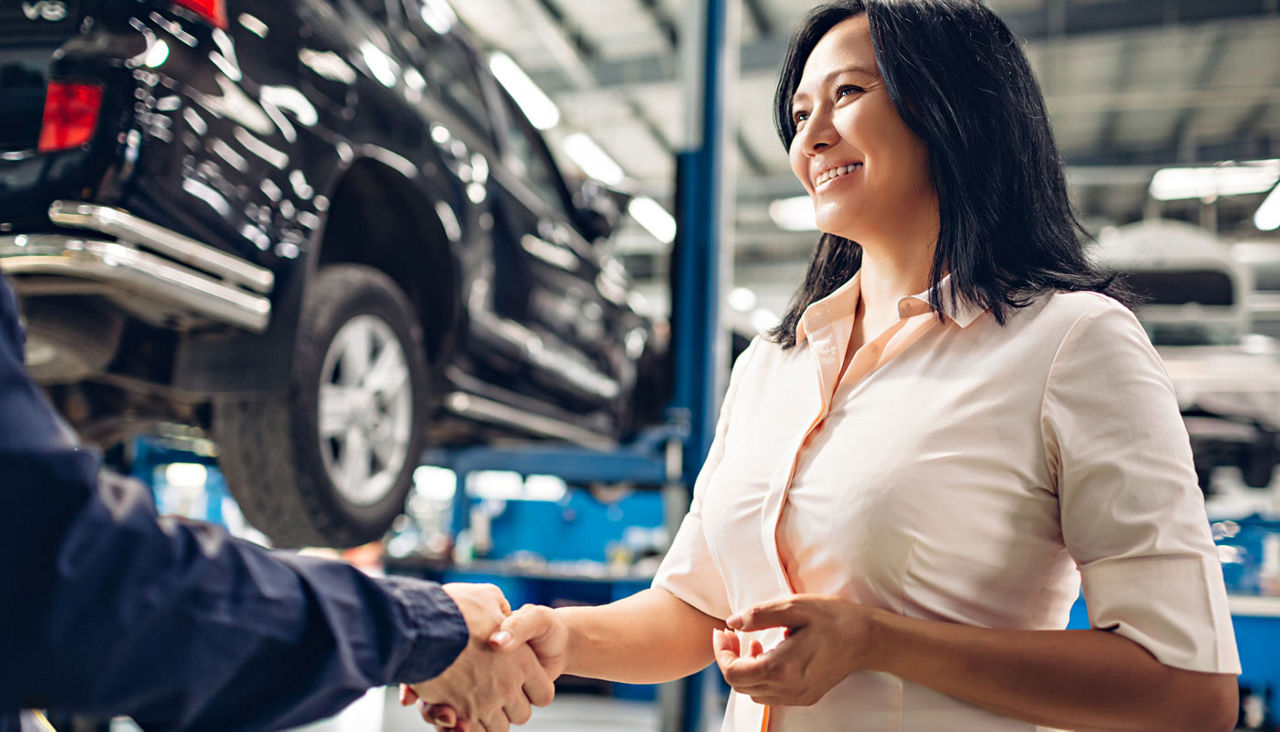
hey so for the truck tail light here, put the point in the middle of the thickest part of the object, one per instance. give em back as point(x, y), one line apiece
point(70, 115)
point(213, 11)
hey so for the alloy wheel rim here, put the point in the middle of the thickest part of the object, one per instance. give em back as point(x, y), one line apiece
point(365, 410)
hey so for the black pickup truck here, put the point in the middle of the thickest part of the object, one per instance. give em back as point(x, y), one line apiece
point(318, 231)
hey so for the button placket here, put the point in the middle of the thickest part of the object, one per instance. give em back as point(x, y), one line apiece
point(827, 360)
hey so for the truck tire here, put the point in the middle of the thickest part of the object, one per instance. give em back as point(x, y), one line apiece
point(330, 462)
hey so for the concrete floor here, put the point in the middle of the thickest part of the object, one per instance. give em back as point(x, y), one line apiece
point(379, 711)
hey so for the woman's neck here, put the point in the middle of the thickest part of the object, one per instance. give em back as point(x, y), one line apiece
point(897, 259)
point(884, 280)
point(891, 273)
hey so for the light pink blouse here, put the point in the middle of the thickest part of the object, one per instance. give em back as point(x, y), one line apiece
point(963, 472)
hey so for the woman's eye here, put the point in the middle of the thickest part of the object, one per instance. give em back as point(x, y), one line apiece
point(799, 116)
point(848, 89)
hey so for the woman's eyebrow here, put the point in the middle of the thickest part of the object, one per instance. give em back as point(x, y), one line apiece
point(852, 69)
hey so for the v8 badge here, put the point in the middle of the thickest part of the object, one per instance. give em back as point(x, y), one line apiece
point(52, 11)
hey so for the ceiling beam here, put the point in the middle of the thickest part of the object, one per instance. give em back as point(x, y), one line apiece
point(671, 32)
point(1251, 121)
point(759, 16)
point(1078, 18)
point(1164, 98)
point(575, 55)
point(749, 156)
point(1200, 151)
point(665, 24)
point(1122, 17)
point(1120, 85)
point(1178, 137)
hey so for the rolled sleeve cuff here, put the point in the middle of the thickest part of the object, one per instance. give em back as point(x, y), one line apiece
point(689, 573)
point(1174, 606)
point(439, 631)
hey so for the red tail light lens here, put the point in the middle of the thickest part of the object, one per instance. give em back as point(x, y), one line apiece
point(70, 115)
point(214, 11)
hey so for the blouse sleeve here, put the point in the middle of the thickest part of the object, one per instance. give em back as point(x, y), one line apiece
point(689, 570)
point(1132, 514)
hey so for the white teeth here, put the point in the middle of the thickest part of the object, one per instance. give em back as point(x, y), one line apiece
point(836, 172)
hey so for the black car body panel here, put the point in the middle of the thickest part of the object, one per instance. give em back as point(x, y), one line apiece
point(305, 134)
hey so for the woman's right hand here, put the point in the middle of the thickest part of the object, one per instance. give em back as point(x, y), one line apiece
point(544, 629)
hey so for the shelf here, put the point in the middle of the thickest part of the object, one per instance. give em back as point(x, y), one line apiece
point(555, 571)
point(1257, 606)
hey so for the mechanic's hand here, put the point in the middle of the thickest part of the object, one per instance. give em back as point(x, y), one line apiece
point(486, 689)
point(828, 638)
point(537, 627)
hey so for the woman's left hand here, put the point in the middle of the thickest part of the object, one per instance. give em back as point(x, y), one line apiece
point(827, 639)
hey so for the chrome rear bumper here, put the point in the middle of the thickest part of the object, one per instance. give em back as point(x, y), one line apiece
point(177, 271)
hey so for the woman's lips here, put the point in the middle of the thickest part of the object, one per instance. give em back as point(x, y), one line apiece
point(831, 174)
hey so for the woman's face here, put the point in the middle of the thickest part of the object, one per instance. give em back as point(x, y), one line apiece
point(867, 172)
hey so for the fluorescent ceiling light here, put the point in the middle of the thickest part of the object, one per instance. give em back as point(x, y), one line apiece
point(541, 111)
point(594, 161)
point(1231, 179)
point(1267, 217)
point(763, 320)
point(654, 218)
point(439, 16)
point(742, 299)
point(793, 214)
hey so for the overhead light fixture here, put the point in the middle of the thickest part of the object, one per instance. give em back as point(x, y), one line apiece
point(593, 160)
point(793, 214)
point(742, 299)
point(1229, 179)
point(537, 106)
point(654, 218)
point(1267, 217)
point(438, 16)
point(762, 320)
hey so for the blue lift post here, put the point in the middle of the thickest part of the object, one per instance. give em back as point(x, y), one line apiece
point(674, 453)
point(703, 206)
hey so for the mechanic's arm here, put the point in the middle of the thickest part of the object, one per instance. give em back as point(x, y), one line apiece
point(176, 624)
point(106, 609)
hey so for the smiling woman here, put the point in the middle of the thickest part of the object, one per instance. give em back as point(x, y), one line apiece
point(953, 79)
point(956, 428)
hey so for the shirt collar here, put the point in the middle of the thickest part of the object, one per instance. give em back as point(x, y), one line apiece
point(843, 302)
point(962, 311)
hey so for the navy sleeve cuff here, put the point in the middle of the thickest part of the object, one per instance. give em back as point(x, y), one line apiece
point(440, 631)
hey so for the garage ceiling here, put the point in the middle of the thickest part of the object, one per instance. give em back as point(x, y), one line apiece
point(1132, 86)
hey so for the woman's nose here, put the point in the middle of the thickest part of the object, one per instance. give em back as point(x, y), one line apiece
point(817, 135)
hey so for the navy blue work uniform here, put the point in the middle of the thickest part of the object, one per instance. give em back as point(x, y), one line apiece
point(107, 609)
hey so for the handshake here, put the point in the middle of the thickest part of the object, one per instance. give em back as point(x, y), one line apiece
point(506, 668)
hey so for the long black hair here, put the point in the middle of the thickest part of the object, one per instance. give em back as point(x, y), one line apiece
point(961, 83)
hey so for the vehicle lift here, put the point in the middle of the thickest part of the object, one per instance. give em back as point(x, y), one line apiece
point(670, 455)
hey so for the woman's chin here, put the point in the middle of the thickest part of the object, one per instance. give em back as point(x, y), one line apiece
point(839, 228)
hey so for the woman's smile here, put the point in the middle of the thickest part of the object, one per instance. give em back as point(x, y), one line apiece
point(829, 176)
